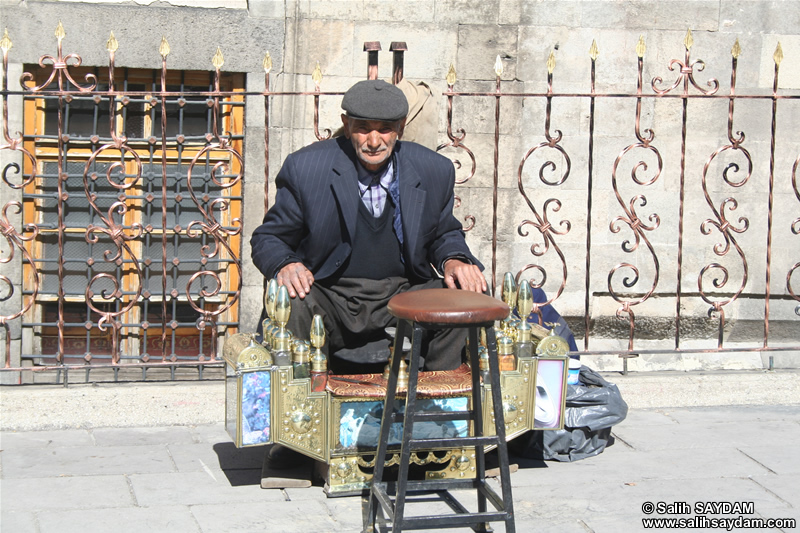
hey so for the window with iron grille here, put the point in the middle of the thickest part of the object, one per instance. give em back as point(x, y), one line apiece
point(138, 246)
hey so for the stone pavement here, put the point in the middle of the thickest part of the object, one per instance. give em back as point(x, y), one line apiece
point(178, 471)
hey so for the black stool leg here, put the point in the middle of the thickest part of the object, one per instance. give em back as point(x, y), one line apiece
point(386, 423)
point(477, 409)
point(408, 428)
point(500, 429)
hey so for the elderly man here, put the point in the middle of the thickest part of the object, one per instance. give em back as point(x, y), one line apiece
point(359, 219)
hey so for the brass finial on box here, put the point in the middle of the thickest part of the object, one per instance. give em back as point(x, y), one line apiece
point(282, 339)
point(524, 306)
point(509, 297)
point(319, 363)
point(267, 326)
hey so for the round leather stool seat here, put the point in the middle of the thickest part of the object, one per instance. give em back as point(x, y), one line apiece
point(451, 307)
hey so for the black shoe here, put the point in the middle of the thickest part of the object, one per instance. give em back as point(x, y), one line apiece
point(280, 457)
point(284, 468)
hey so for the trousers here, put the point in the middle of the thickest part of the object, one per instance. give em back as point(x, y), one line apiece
point(356, 320)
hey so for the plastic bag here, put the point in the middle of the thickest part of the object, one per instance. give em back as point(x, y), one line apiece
point(592, 408)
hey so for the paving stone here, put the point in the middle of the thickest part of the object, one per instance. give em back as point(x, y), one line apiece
point(211, 433)
point(18, 521)
point(689, 436)
point(221, 456)
point(193, 488)
point(175, 519)
point(286, 516)
point(745, 414)
point(86, 461)
point(143, 436)
point(635, 466)
point(26, 440)
point(783, 487)
point(64, 493)
point(777, 456)
point(646, 417)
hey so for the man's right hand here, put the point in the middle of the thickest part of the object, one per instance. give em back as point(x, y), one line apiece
point(296, 278)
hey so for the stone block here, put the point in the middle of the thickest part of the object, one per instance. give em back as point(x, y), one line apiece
point(251, 304)
point(408, 11)
point(648, 14)
point(759, 16)
point(431, 49)
point(322, 9)
point(185, 30)
point(477, 114)
point(333, 47)
point(478, 48)
point(452, 12)
point(276, 9)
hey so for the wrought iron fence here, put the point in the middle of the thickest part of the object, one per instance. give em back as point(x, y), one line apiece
point(151, 195)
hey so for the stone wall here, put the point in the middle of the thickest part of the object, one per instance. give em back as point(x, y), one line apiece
point(469, 35)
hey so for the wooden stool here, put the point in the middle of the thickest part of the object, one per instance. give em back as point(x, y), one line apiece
point(437, 309)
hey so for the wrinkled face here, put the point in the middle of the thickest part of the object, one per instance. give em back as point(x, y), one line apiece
point(373, 140)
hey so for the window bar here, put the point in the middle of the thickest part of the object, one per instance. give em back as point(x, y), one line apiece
point(164, 51)
point(593, 54)
point(777, 57)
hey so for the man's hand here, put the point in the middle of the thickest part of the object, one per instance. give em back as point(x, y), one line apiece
point(297, 279)
point(461, 275)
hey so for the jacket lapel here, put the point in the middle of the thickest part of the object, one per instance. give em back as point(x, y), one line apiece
point(412, 202)
point(344, 183)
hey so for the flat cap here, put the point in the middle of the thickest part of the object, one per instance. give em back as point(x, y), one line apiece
point(375, 100)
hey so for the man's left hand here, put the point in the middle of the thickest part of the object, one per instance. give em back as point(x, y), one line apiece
point(461, 275)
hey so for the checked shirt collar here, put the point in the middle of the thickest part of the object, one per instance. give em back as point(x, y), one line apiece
point(373, 187)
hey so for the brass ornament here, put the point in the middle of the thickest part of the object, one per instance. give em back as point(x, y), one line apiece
point(60, 34)
point(218, 60)
point(594, 51)
point(301, 352)
point(301, 421)
point(498, 66)
point(242, 352)
point(316, 76)
point(267, 63)
point(281, 340)
point(451, 76)
point(111, 44)
point(640, 47)
point(688, 41)
point(319, 363)
point(778, 55)
point(524, 306)
point(6, 43)
point(553, 344)
point(163, 48)
point(736, 50)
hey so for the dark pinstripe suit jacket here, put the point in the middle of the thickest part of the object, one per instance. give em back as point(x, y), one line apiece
point(313, 219)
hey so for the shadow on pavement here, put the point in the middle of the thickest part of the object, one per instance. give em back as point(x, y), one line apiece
point(242, 466)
